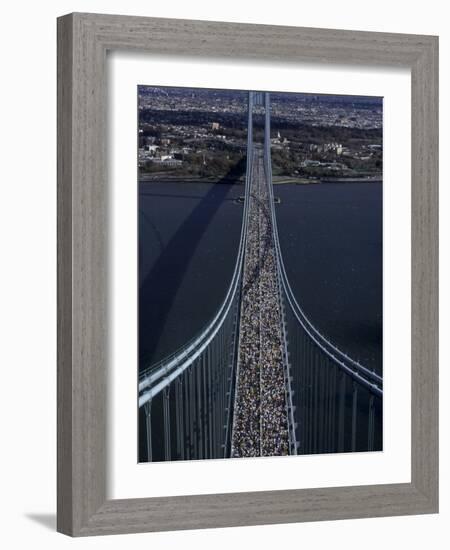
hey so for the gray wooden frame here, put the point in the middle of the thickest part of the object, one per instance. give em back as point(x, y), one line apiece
point(83, 40)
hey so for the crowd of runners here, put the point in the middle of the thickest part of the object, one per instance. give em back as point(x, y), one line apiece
point(260, 418)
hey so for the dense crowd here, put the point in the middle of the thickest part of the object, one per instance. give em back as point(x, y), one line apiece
point(260, 419)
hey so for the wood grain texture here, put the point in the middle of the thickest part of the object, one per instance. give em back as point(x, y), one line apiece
point(83, 40)
point(424, 280)
point(64, 298)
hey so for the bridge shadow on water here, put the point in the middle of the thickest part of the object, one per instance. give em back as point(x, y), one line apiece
point(159, 289)
point(180, 196)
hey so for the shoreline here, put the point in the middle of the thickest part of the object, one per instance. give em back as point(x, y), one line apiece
point(327, 179)
point(143, 178)
point(287, 181)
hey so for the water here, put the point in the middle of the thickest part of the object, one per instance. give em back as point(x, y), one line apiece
point(331, 238)
point(188, 242)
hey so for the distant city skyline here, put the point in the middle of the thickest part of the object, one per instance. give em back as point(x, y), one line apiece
point(235, 101)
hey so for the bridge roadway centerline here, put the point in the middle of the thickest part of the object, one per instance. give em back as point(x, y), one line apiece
point(260, 426)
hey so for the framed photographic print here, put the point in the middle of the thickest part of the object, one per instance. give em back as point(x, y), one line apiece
point(247, 274)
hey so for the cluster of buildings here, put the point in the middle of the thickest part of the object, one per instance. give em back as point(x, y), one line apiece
point(327, 147)
point(333, 165)
point(192, 99)
point(173, 147)
point(343, 111)
point(278, 142)
point(160, 152)
point(181, 127)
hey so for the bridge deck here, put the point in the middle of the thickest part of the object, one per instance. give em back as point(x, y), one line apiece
point(260, 426)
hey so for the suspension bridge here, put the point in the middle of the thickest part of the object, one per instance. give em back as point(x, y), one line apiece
point(260, 379)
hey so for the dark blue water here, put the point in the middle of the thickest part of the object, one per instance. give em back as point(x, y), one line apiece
point(331, 238)
point(188, 241)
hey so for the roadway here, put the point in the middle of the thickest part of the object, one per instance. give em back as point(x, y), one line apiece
point(260, 426)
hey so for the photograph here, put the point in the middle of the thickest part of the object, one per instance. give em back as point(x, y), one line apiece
point(260, 273)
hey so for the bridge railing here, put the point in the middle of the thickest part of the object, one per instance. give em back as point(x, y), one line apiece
point(336, 402)
point(185, 400)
